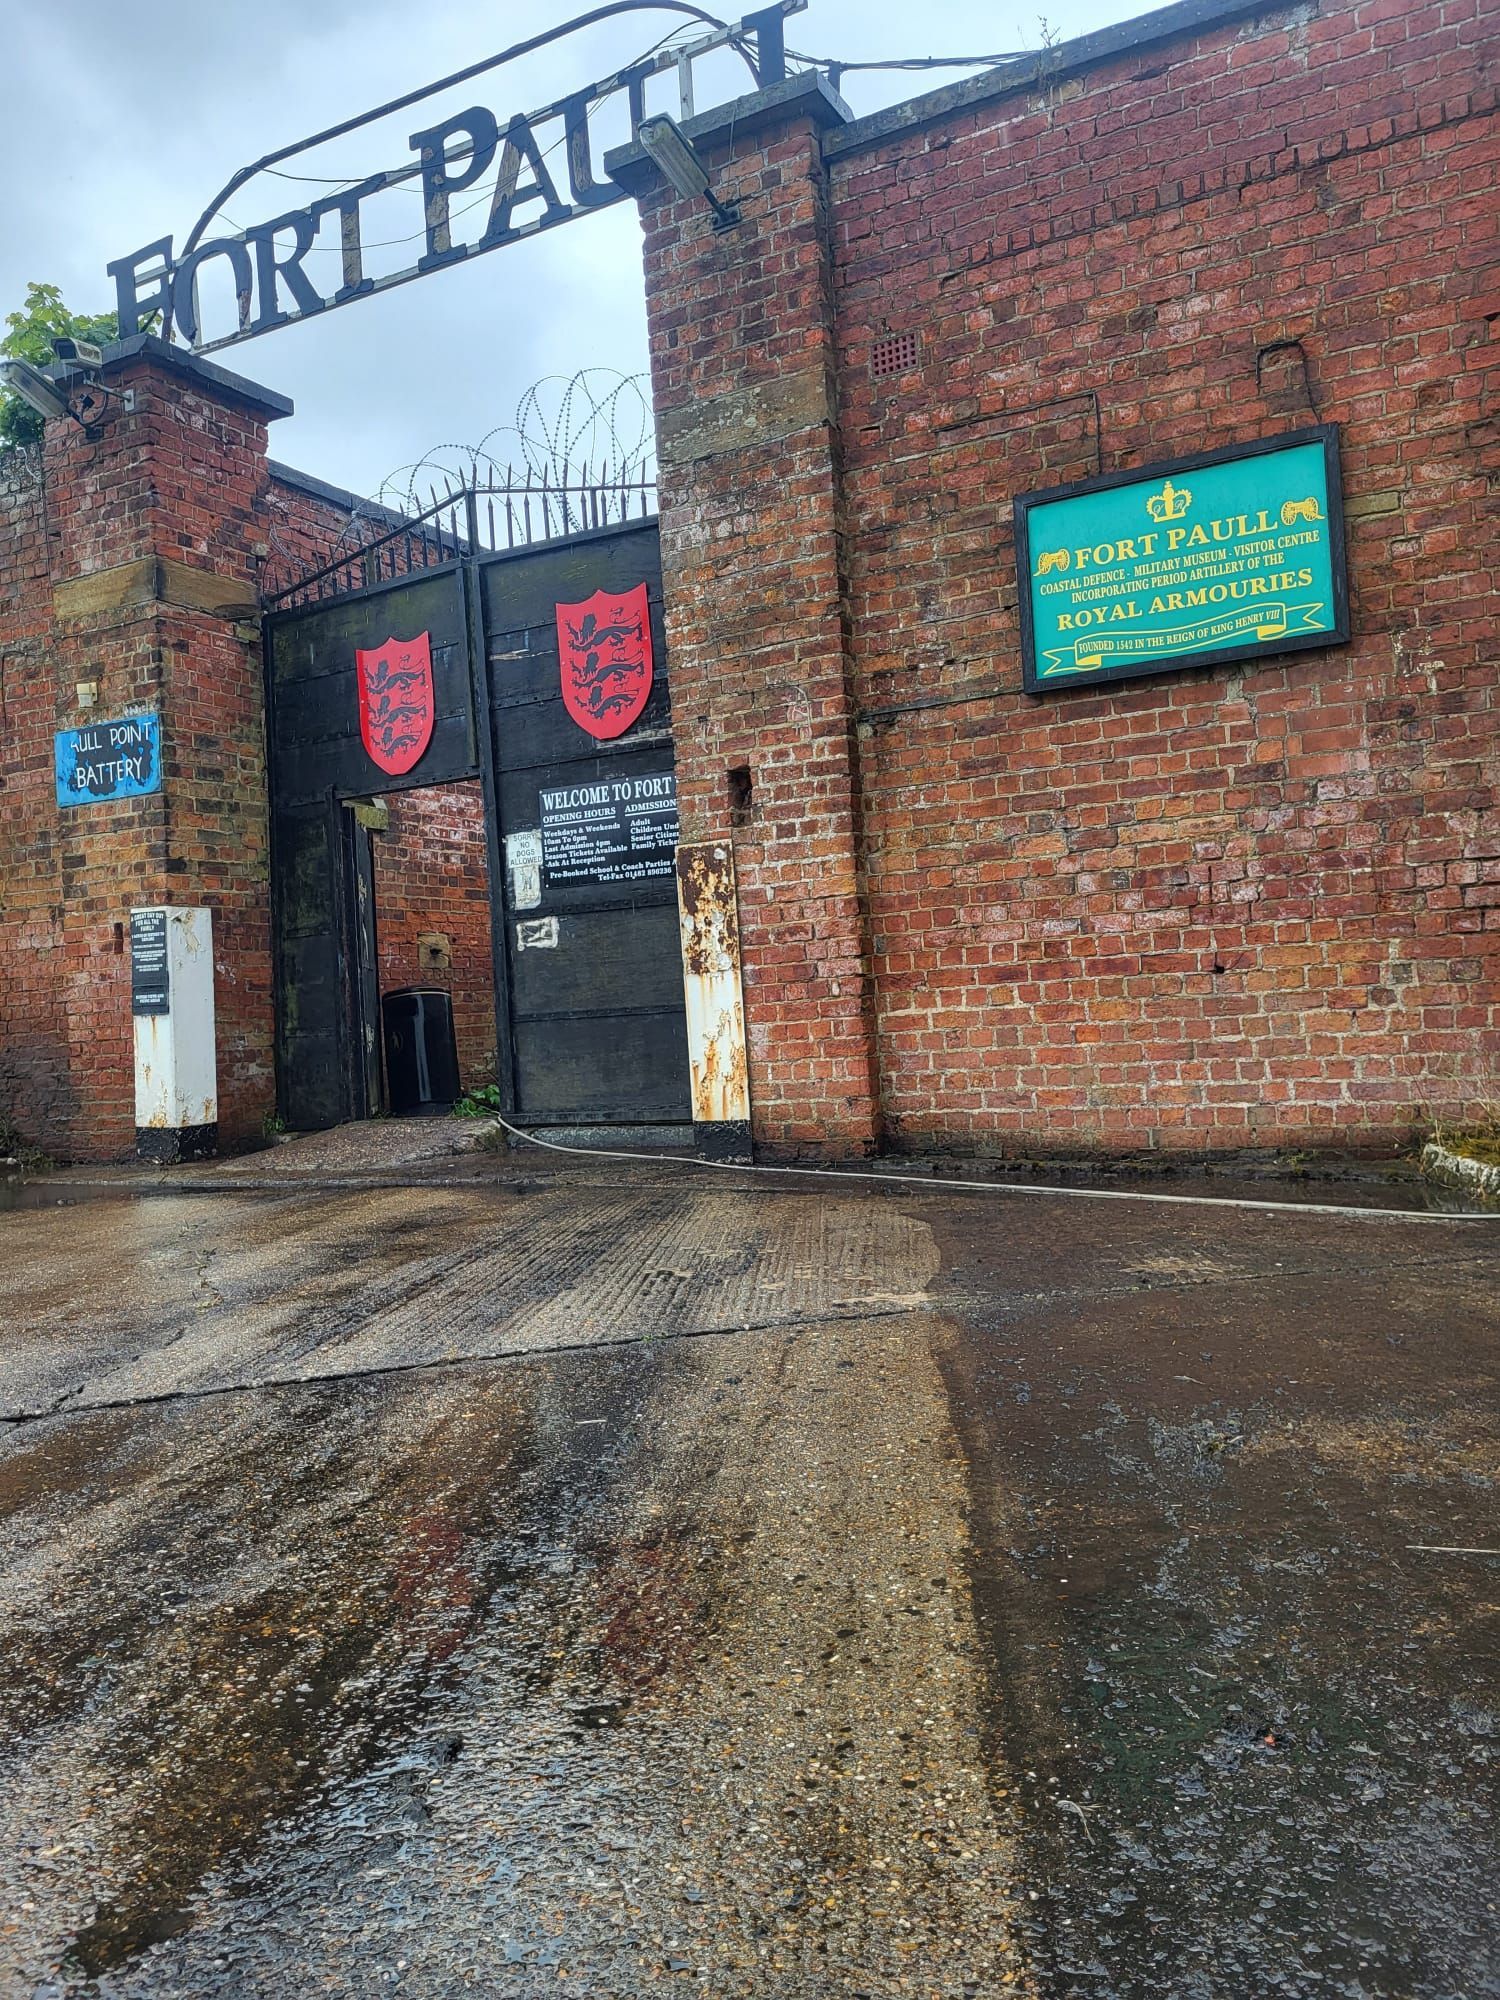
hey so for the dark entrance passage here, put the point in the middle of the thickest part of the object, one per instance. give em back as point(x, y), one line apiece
point(432, 920)
point(584, 991)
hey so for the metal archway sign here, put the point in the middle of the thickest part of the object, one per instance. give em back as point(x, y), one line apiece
point(503, 164)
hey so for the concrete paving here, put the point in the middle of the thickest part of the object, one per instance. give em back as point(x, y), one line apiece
point(617, 1580)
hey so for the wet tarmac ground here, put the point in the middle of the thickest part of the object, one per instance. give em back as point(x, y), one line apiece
point(622, 1585)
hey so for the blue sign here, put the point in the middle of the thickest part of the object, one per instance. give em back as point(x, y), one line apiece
point(108, 760)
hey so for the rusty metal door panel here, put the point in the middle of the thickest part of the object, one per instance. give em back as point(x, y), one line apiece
point(315, 739)
point(632, 950)
point(719, 1057)
point(311, 978)
point(595, 982)
point(618, 1069)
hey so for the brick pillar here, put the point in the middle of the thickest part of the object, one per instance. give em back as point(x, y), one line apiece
point(151, 552)
point(34, 1088)
point(742, 358)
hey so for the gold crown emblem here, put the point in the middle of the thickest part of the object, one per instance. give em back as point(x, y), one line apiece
point(1170, 504)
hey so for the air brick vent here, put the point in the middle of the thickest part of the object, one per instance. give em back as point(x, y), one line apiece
point(893, 354)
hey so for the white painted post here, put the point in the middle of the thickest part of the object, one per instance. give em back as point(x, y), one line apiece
point(717, 1056)
point(176, 1060)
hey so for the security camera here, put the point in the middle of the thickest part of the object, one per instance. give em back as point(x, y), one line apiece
point(33, 388)
point(85, 352)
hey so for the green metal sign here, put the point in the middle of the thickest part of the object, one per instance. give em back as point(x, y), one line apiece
point(1190, 563)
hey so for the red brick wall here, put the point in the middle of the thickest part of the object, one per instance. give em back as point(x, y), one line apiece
point(1246, 906)
point(301, 531)
point(1237, 906)
point(749, 500)
point(35, 1085)
point(182, 478)
point(72, 874)
point(432, 876)
point(301, 525)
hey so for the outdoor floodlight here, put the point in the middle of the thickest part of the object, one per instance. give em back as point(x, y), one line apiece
point(33, 388)
point(666, 144)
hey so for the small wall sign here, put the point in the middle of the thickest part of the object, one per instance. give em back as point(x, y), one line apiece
point(614, 830)
point(150, 978)
point(108, 760)
point(1190, 563)
point(523, 861)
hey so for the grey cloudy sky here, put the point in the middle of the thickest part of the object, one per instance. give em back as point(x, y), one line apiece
point(122, 122)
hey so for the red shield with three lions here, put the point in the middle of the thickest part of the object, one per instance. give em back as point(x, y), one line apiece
point(396, 701)
point(604, 645)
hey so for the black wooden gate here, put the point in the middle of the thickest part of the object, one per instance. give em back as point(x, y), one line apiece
point(589, 1012)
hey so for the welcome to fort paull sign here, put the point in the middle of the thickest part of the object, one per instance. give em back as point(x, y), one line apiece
point(1191, 563)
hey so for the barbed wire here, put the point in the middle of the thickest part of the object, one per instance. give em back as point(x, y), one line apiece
point(596, 424)
point(580, 453)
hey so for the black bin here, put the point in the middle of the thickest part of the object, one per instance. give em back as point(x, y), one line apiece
point(421, 1055)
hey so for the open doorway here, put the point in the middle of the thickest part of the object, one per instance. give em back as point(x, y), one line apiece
point(379, 884)
point(434, 963)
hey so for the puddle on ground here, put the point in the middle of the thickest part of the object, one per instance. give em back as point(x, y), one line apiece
point(624, 1667)
point(1069, 1644)
point(264, 1697)
point(1252, 1729)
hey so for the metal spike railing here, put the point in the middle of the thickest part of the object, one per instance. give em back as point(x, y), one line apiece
point(520, 507)
point(514, 509)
